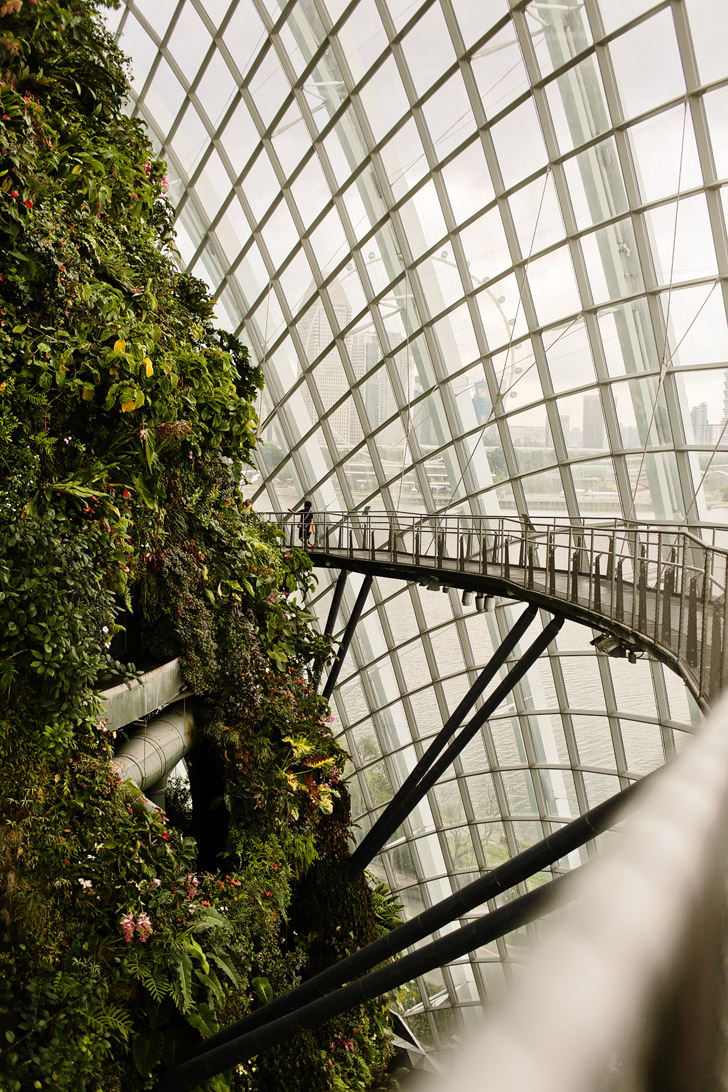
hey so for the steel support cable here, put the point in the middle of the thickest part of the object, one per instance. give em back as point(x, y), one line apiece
point(390, 818)
point(466, 939)
point(664, 363)
point(516, 673)
point(501, 394)
point(518, 869)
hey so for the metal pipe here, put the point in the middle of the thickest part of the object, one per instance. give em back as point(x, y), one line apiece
point(155, 749)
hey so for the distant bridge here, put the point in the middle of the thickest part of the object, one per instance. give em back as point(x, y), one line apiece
point(651, 587)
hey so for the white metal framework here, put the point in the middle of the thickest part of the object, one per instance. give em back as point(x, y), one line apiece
point(480, 249)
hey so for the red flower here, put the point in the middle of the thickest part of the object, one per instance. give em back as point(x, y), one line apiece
point(165, 836)
point(14, 193)
point(28, 204)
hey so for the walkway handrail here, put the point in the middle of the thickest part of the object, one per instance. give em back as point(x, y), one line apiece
point(629, 990)
point(656, 586)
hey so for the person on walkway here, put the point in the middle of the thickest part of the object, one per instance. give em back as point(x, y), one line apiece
point(305, 529)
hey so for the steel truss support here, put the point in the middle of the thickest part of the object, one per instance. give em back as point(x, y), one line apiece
point(497, 923)
point(436, 769)
point(399, 806)
point(563, 841)
point(336, 602)
point(348, 634)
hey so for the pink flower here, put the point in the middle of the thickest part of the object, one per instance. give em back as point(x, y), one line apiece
point(144, 927)
point(164, 184)
point(127, 927)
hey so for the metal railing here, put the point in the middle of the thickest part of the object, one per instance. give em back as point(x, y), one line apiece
point(662, 585)
point(628, 992)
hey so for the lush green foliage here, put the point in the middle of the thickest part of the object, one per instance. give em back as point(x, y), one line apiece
point(124, 417)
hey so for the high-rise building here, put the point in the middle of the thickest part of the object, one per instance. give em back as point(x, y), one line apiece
point(702, 431)
point(592, 423)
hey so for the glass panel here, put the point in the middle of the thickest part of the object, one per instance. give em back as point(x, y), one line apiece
point(706, 16)
point(553, 285)
point(666, 155)
point(404, 159)
point(596, 187)
point(569, 355)
point(216, 89)
point(643, 747)
point(428, 49)
point(486, 247)
point(244, 34)
point(499, 71)
point(682, 241)
point(164, 96)
point(362, 38)
point(291, 139)
point(612, 261)
point(519, 144)
point(641, 86)
point(475, 19)
point(384, 87)
point(716, 107)
point(449, 116)
point(578, 105)
point(189, 42)
point(594, 741)
point(536, 215)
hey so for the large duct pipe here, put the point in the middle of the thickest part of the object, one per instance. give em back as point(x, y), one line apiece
point(152, 753)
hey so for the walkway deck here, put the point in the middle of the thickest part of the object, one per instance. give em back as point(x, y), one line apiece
point(652, 587)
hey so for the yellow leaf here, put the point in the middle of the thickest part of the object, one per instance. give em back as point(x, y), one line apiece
point(87, 393)
point(150, 369)
point(126, 406)
point(119, 346)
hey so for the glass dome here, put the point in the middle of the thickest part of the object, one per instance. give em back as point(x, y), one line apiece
point(480, 251)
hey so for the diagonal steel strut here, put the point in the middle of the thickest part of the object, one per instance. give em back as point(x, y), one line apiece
point(541, 855)
point(348, 634)
point(466, 939)
point(391, 817)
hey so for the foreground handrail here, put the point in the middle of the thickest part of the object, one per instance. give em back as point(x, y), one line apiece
point(629, 992)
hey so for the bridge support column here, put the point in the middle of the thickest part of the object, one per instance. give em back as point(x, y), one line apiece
point(336, 602)
point(397, 813)
point(346, 639)
point(400, 806)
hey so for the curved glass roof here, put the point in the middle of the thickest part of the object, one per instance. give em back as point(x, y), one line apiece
point(480, 250)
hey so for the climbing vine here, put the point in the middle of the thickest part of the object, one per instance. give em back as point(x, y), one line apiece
point(125, 416)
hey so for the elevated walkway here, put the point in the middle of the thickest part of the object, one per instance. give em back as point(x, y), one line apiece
point(648, 587)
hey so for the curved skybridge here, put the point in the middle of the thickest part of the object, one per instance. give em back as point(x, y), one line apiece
point(649, 587)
